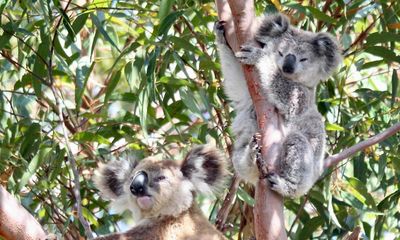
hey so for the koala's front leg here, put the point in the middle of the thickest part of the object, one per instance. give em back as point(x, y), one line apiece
point(235, 85)
point(249, 54)
point(244, 160)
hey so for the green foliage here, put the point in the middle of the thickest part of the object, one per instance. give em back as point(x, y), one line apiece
point(144, 76)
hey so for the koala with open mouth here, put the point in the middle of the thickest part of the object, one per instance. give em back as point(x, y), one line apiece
point(161, 194)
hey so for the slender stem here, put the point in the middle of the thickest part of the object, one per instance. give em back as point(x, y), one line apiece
point(71, 159)
point(301, 209)
point(227, 204)
point(77, 186)
point(18, 65)
point(348, 152)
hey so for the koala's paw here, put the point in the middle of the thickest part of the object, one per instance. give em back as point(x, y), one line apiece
point(249, 54)
point(277, 183)
point(255, 149)
point(256, 156)
point(219, 29)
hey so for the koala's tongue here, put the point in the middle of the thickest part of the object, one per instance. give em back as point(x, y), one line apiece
point(144, 202)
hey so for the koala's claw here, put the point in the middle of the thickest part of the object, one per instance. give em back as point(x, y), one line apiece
point(220, 25)
point(255, 150)
point(276, 183)
point(249, 54)
point(256, 155)
point(219, 29)
point(254, 146)
point(254, 142)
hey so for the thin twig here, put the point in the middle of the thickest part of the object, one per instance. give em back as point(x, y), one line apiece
point(355, 235)
point(18, 65)
point(13, 114)
point(301, 208)
point(53, 43)
point(24, 42)
point(71, 159)
point(324, 9)
point(227, 204)
point(17, 92)
point(348, 152)
point(12, 108)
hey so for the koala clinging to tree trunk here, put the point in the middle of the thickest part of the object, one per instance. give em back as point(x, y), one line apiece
point(290, 64)
point(161, 194)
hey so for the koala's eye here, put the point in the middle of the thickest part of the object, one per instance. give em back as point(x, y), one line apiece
point(280, 53)
point(160, 178)
point(303, 59)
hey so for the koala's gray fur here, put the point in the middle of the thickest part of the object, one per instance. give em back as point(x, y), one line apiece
point(290, 64)
point(164, 205)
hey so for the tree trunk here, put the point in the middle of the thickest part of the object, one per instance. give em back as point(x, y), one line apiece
point(15, 221)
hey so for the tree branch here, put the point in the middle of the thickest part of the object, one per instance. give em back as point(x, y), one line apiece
point(227, 204)
point(15, 221)
point(348, 152)
point(239, 28)
point(355, 235)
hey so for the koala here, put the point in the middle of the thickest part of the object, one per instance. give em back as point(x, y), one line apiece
point(161, 194)
point(290, 63)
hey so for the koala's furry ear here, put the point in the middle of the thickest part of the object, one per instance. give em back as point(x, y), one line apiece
point(206, 168)
point(110, 178)
point(325, 45)
point(272, 26)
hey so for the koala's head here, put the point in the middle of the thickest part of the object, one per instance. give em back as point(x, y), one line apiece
point(302, 56)
point(152, 188)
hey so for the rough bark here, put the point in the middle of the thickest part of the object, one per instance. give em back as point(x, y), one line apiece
point(15, 221)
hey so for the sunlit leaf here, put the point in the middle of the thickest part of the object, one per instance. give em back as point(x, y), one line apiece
point(165, 8)
point(83, 72)
point(31, 140)
point(111, 85)
point(382, 37)
point(333, 127)
point(34, 164)
point(359, 190)
point(167, 22)
point(320, 15)
point(99, 26)
point(90, 137)
point(245, 197)
point(67, 25)
point(89, 216)
point(383, 52)
point(310, 227)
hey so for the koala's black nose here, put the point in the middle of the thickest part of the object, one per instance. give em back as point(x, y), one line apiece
point(289, 63)
point(139, 184)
